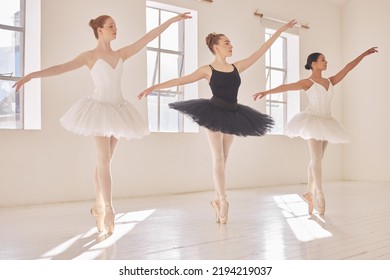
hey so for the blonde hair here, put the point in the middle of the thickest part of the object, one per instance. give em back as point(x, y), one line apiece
point(213, 39)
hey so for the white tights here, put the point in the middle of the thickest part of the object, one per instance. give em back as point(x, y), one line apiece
point(317, 150)
point(105, 147)
point(220, 144)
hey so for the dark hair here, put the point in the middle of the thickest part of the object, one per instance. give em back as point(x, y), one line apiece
point(212, 39)
point(98, 23)
point(310, 59)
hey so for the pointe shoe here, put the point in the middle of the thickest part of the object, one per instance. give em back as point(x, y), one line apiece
point(215, 205)
point(223, 219)
point(109, 219)
point(98, 213)
point(308, 197)
point(321, 205)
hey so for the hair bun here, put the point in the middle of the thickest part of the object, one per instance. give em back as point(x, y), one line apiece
point(210, 38)
point(98, 23)
point(91, 22)
point(310, 59)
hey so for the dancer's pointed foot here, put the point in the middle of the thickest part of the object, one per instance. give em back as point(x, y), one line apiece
point(109, 219)
point(321, 204)
point(223, 211)
point(309, 198)
point(99, 214)
point(215, 205)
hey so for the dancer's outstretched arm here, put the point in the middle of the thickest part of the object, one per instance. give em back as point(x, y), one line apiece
point(244, 64)
point(302, 84)
point(200, 73)
point(134, 48)
point(71, 65)
point(341, 75)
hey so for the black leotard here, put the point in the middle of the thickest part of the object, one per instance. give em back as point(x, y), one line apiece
point(224, 85)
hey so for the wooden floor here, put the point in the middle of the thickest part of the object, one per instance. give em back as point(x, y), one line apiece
point(267, 223)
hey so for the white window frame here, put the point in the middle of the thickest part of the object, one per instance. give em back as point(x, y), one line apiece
point(14, 101)
point(290, 102)
point(187, 64)
point(30, 94)
point(32, 62)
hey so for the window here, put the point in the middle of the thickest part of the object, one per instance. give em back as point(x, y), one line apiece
point(170, 56)
point(12, 34)
point(20, 53)
point(281, 66)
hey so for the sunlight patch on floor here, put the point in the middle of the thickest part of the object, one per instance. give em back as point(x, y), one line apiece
point(61, 248)
point(96, 243)
point(294, 209)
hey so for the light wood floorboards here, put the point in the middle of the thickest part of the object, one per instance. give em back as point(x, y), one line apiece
point(267, 223)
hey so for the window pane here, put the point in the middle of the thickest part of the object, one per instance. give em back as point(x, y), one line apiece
point(169, 118)
point(152, 73)
point(153, 111)
point(276, 111)
point(10, 53)
point(276, 97)
point(170, 66)
point(277, 78)
point(10, 12)
point(277, 53)
point(152, 21)
point(10, 106)
point(170, 37)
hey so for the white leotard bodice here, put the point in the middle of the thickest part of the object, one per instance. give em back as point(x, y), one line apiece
point(107, 81)
point(320, 99)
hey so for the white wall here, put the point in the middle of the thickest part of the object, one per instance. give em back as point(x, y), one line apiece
point(53, 165)
point(366, 91)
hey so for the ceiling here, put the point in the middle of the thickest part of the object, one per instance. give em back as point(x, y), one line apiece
point(340, 2)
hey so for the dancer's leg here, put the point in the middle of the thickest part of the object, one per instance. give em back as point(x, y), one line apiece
point(98, 210)
point(317, 150)
point(311, 186)
point(105, 147)
point(99, 204)
point(220, 144)
point(310, 182)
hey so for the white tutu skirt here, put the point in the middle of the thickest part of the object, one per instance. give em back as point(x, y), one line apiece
point(90, 117)
point(308, 126)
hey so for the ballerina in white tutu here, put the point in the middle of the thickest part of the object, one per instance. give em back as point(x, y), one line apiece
point(316, 124)
point(105, 114)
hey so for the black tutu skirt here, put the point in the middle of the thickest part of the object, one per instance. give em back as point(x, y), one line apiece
point(217, 115)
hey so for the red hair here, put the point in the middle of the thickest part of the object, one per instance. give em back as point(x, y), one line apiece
point(98, 23)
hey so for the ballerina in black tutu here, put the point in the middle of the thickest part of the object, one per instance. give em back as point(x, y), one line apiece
point(222, 115)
